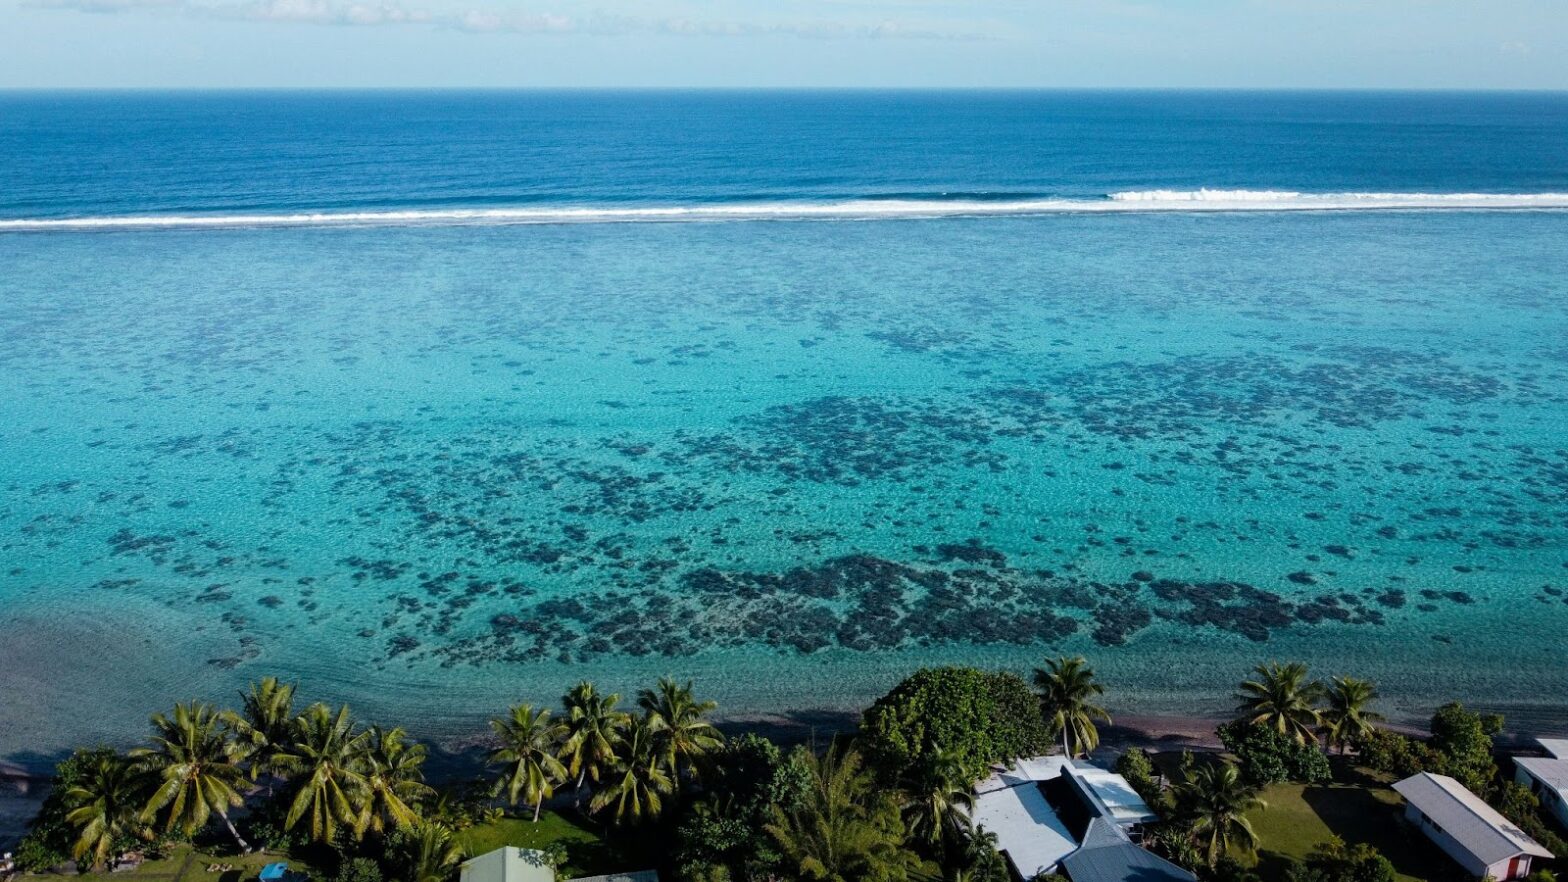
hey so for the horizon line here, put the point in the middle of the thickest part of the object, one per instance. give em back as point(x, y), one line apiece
point(1498, 90)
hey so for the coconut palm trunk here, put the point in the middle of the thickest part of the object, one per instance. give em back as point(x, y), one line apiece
point(244, 846)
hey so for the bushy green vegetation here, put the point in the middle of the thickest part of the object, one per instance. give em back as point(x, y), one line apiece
point(1268, 756)
point(657, 784)
point(977, 716)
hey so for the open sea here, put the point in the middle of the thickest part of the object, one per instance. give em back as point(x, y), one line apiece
point(442, 401)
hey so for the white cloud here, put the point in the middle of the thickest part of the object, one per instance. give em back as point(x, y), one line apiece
point(493, 20)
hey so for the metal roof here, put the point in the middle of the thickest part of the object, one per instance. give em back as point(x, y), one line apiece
point(508, 864)
point(1557, 747)
point(1031, 835)
point(1107, 855)
point(1113, 797)
point(1476, 826)
point(1551, 772)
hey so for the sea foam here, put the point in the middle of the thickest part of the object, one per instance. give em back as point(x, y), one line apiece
point(1202, 200)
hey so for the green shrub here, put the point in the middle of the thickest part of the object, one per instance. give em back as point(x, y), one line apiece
point(1269, 757)
point(1334, 862)
point(1395, 754)
point(1138, 769)
point(359, 870)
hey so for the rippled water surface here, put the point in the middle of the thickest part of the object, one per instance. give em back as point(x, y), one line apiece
point(434, 469)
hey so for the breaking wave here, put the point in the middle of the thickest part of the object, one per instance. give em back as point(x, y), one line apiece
point(858, 209)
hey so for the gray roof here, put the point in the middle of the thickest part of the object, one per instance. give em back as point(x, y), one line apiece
point(1107, 855)
point(1476, 826)
point(1557, 747)
point(1551, 772)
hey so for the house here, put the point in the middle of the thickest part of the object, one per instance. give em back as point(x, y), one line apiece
point(508, 864)
point(1107, 855)
point(1471, 832)
point(1051, 815)
point(1547, 777)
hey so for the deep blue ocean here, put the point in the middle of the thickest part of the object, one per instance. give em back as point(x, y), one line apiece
point(442, 401)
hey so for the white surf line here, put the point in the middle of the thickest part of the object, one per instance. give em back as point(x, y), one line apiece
point(867, 209)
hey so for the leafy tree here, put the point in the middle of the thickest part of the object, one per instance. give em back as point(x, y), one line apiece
point(1347, 719)
point(1067, 696)
point(1214, 800)
point(938, 801)
point(593, 729)
point(1463, 739)
point(745, 780)
point(1395, 754)
point(1018, 728)
point(846, 829)
point(527, 756)
point(264, 724)
point(1138, 769)
point(678, 722)
point(1518, 804)
point(425, 852)
point(1283, 699)
point(638, 779)
point(326, 757)
point(394, 780)
point(104, 805)
point(198, 769)
point(972, 714)
point(50, 838)
point(1269, 756)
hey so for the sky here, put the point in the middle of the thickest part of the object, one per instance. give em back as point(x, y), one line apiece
point(1464, 44)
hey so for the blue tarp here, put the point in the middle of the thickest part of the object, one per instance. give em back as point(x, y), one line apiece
point(273, 872)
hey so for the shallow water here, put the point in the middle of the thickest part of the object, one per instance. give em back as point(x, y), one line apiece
point(434, 463)
point(793, 459)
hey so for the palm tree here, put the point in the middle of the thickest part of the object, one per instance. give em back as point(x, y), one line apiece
point(939, 799)
point(638, 779)
point(1214, 801)
point(845, 830)
point(978, 860)
point(198, 768)
point(676, 718)
point(593, 729)
point(432, 853)
point(393, 780)
point(264, 723)
point(105, 806)
point(1067, 692)
point(529, 743)
point(1282, 699)
point(326, 757)
point(1347, 718)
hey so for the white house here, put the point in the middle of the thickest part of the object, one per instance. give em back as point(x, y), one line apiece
point(1472, 833)
point(1051, 814)
point(509, 864)
point(1547, 777)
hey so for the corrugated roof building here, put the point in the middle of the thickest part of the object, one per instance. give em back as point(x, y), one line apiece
point(1471, 832)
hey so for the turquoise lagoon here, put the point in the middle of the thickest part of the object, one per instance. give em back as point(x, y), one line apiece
point(431, 470)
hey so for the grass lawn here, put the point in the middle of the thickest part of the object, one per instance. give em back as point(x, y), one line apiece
point(1357, 809)
point(587, 851)
point(185, 863)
